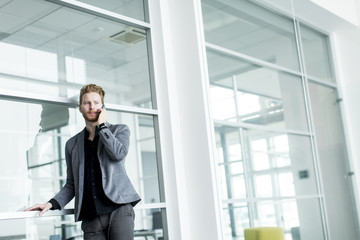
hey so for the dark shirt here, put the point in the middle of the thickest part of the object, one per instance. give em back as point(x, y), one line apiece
point(94, 202)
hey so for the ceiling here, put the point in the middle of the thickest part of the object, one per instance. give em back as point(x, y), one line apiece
point(67, 33)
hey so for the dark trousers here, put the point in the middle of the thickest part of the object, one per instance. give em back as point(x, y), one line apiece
point(118, 225)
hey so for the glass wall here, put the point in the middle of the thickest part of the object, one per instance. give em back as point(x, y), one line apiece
point(243, 27)
point(332, 152)
point(272, 142)
point(134, 9)
point(316, 53)
point(149, 224)
point(47, 53)
point(255, 94)
point(54, 50)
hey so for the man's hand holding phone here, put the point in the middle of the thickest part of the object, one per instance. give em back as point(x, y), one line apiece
point(102, 115)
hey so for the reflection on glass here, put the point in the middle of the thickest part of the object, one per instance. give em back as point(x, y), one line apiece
point(221, 97)
point(146, 143)
point(263, 185)
point(260, 156)
point(247, 28)
point(266, 215)
point(288, 169)
point(55, 50)
point(248, 93)
point(236, 219)
point(316, 53)
point(35, 165)
point(277, 164)
point(285, 181)
point(150, 224)
point(309, 219)
point(332, 155)
point(300, 219)
point(231, 168)
point(130, 8)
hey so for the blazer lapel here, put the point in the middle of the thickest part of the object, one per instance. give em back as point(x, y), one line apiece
point(80, 149)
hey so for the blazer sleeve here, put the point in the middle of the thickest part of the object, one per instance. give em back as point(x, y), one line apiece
point(116, 141)
point(68, 191)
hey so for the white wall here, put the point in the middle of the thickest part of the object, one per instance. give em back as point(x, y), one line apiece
point(346, 49)
point(346, 9)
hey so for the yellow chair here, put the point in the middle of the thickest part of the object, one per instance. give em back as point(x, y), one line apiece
point(264, 233)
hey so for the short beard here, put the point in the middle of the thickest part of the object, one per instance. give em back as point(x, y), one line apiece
point(90, 119)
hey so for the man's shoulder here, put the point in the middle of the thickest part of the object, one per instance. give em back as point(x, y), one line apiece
point(72, 140)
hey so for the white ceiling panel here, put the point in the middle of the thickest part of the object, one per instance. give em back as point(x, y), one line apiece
point(104, 48)
point(3, 2)
point(10, 24)
point(34, 36)
point(21, 40)
point(67, 19)
point(99, 29)
point(88, 54)
point(64, 45)
point(93, 70)
point(108, 4)
point(28, 9)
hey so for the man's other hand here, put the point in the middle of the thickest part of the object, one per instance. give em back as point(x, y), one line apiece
point(40, 207)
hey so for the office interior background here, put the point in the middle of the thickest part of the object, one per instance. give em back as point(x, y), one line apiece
point(242, 113)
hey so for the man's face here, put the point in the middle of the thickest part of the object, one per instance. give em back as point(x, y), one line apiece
point(90, 106)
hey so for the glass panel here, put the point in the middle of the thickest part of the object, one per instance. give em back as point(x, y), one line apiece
point(54, 50)
point(231, 169)
point(333, 161)
point(42, 228)
point(240, 91)
point(288, 168)
point(300, 219)
point(316, 53)
point(148, 223)
point(35, 164)
point(236, 219)
point(146, 144)
point(130, 8)
point(249, 29)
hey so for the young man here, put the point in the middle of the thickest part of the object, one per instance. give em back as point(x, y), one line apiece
point(96, 176)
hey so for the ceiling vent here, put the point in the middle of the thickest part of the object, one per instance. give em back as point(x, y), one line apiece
point(129, 36)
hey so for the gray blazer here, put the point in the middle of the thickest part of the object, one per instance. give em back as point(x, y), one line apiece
point(112, 149)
